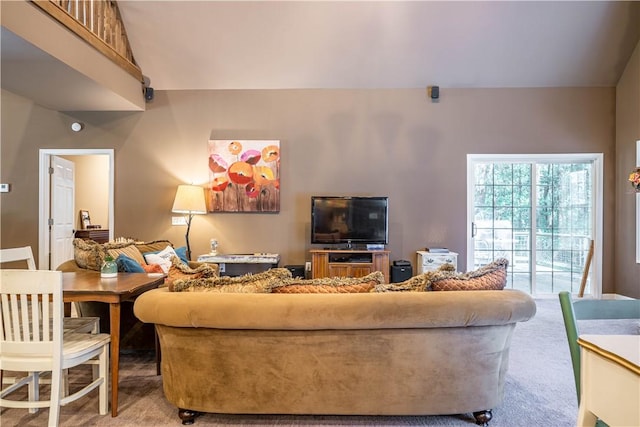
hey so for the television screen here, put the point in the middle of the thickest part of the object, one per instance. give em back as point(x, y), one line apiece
point(349, 220)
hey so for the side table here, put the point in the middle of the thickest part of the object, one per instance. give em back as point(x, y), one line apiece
point(99, 235)
point(429, 261)
point(610, 378)
point(239, 264)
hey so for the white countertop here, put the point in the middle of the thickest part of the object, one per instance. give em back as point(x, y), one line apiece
point(257, 258)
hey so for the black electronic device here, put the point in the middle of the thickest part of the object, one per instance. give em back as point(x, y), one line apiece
point(437, 250)
point(297, 271)
point(350, 257)
point(401, 273)
point(350, 220)
point(401, 262)
point(148, 94)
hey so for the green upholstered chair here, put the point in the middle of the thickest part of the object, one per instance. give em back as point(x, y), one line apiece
point(591, 309)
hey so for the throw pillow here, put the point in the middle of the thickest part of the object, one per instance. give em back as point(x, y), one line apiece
point(88, 254)
point(492, 276)
point(330, 285)
point(128, 265)
point(163, 258)
point(182, 254)
point(154, 246)
point(249, 283)
point(157, 259)
point(152, 268)
point(129, 250)
point(181, 271)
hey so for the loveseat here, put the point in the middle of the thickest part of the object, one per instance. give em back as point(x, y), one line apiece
point(366, 353)
point(89, 255)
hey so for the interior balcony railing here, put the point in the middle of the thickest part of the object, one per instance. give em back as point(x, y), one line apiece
point(98, 22)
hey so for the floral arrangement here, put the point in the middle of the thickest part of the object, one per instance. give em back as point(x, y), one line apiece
point(634, 178)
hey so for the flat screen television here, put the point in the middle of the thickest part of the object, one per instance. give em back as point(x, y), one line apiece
point(349, 220)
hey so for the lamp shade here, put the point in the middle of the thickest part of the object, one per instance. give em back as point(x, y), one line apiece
point(189, 200)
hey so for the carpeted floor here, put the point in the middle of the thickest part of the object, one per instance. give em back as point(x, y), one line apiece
point(539, 390)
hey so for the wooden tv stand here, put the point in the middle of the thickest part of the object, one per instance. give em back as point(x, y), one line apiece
point(348, 263)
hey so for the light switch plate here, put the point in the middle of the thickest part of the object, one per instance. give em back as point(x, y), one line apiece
point(178, 220)
point(4, 188)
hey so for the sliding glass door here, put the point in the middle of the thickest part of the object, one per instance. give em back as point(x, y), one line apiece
point(542, 213)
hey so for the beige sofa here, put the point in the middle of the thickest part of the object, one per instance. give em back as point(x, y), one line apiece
point(395, 353)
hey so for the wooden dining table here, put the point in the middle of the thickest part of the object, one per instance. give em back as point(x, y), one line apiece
point(90, 286)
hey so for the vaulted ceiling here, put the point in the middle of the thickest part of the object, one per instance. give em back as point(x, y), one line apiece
point(380, 44)
point(326, 44)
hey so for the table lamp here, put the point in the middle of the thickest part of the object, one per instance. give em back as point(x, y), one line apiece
point(189, 201)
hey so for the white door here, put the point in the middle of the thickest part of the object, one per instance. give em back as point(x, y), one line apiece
point(62, 212)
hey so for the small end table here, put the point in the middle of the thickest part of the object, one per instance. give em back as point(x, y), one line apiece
point(239, 264)
point(610, 377)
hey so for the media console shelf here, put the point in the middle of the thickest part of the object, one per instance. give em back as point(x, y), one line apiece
point(348, 263)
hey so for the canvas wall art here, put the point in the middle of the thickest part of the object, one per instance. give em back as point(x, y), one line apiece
point(244, 176)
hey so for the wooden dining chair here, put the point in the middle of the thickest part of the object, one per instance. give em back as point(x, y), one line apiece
point(20, 256)
point(32, 341)
point(591, 309)
point(71, 324)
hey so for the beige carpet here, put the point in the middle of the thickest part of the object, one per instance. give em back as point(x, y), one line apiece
point(539, 390)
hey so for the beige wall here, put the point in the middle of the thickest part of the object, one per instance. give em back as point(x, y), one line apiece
point(367, 142)
point(627, 271)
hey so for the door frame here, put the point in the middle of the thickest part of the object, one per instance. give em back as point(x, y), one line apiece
point(598, 186)
point(638, 208)
point(44, 194)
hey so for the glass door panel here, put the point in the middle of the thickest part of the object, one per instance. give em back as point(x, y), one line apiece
point(564, 225)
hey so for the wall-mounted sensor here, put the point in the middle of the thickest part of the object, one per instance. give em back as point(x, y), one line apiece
point(5, 188)
point(434, 92)
point(77, 126)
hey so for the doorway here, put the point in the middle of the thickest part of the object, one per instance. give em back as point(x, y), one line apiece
point(45, 246)
point(541, 212)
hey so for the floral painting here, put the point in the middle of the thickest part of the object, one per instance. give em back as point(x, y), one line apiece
point(244, 176)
